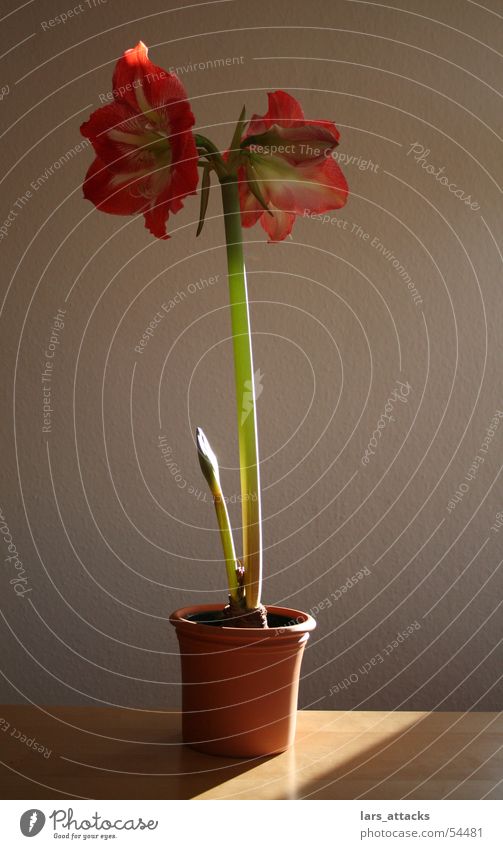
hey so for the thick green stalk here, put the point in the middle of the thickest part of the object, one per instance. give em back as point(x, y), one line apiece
point(245, 395)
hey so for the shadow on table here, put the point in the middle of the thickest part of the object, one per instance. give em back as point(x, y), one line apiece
point(162, 768)
point(100, 761)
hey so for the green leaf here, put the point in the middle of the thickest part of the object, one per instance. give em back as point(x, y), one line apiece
point(238, 132)
point(235, 148)
point(205, 196)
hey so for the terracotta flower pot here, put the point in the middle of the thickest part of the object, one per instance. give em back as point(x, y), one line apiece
point(240, 685)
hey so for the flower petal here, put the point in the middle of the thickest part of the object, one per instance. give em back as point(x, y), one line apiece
point(291, 160)
point(103, 188)
point(120, 137)
point(146, 153)
point(183, 181)
point(315, 186)
point(278, 225)
point(284, 130)
point(284, 111)
point(251, 210)
point(145, 86)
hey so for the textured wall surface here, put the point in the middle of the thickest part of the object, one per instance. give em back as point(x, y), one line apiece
point(387, 313)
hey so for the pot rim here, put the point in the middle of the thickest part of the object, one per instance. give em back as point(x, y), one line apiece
point(304, 624)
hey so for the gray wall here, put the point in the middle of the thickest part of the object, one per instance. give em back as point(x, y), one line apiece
point(111, 542)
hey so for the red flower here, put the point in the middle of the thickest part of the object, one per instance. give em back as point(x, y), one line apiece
point(289, 160)
point(146, 157)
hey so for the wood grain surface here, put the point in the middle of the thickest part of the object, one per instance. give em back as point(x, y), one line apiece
point(108, 753)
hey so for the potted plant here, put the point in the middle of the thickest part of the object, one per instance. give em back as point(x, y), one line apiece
point(240, 660)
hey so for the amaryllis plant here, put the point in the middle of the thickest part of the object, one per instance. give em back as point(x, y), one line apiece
point(279, 165)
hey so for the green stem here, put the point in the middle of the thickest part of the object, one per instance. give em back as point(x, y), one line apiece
point(227, 545)
point(213, 155)
point(245, 395)
point(210, 470)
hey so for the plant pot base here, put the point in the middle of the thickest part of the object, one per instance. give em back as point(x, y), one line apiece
point(234, 752)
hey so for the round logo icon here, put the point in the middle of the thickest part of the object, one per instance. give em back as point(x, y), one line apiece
point(32, 822)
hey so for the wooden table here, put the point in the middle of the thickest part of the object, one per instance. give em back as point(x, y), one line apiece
point(108, 753)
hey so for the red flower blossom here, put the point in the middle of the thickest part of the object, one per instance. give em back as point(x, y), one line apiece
point(146, 157)
point(289, 161)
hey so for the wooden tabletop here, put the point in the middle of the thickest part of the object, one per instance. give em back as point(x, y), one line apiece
point(108, 753)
